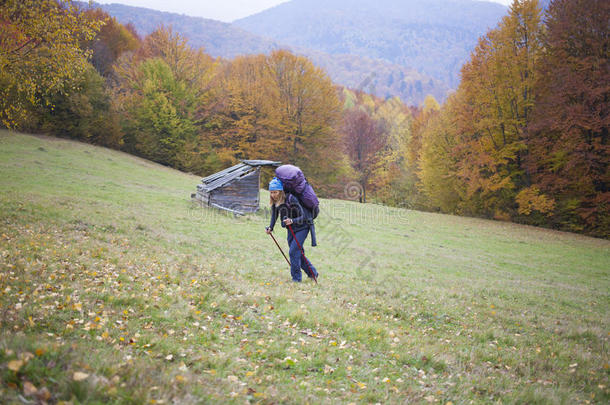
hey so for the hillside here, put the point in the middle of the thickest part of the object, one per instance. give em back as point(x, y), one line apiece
point(434, 37)
point(115, 288)
point(219, 39)
point(383, 79)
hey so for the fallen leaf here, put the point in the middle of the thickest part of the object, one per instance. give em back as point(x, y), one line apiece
point(15, 365)
point(26, 356)
point(29, 389)
point(80, 376)
point(44, 394)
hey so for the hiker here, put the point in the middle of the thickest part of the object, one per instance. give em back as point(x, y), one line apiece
point(292, 214)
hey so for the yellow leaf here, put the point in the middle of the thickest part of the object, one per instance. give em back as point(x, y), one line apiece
point(15, 365)
point(43, 394)
point(26, 356)
point(29, 389)
point(80, 376)
point(180, 378)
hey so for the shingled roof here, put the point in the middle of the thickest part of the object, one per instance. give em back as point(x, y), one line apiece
point(226, 176)
point(235, 189)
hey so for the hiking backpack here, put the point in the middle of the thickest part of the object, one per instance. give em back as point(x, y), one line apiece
point(295, 183)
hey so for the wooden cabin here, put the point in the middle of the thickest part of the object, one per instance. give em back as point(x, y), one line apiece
point(235, 189)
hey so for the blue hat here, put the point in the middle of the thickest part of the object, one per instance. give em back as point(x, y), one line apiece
point(275, 184)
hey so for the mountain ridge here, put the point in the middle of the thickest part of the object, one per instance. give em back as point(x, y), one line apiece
point(434, 37)
point(384, 76)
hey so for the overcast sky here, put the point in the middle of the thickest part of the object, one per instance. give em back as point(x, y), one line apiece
point(223, 10)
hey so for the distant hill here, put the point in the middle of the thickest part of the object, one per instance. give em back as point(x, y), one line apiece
point(217, 38)
point(366, 71)
point(380, 78)
point(434, 37)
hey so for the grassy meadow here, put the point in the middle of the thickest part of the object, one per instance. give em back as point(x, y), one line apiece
point(116, 288)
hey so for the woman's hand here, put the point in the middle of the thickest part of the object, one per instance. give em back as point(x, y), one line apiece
point(288, 221)
point(268, 230)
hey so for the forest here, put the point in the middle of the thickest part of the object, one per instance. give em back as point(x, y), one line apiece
point(524, 138)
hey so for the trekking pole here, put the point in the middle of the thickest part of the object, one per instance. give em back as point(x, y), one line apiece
point(303, 253)
point(278, 246)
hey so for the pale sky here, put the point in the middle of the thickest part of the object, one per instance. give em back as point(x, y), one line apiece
point(222, 10)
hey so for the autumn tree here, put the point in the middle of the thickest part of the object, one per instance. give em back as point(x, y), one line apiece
point(364, 139)
point(308, 109)
point(437, 161)
point(39, 54)
point(86, 114)
point(111, 41)
point(162, 92)
point(394, 183)
point(568, 136)
point(422, 117)
point(280, 107)
point(497, 101)
point(251, 123)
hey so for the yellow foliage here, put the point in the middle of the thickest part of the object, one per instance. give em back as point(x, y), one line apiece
point(40, 54)
point(530, 199)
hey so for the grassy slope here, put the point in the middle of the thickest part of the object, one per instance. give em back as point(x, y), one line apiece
point(108, 269)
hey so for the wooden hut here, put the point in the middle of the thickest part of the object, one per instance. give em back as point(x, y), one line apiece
point(235, 189)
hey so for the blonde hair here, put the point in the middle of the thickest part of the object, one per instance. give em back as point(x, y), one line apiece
point(281, 199)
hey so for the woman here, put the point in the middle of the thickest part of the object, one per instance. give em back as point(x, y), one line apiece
point(290, 211)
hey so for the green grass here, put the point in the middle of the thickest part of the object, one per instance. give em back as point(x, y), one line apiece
point(108, 269)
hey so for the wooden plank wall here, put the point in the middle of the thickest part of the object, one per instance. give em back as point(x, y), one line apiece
point(241, 195)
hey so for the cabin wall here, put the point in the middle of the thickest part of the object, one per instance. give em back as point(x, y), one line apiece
point(240, 195)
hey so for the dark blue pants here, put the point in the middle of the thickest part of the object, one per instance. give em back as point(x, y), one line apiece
point(297, 262)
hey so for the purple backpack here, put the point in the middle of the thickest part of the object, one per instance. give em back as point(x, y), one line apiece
point(294, 182)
